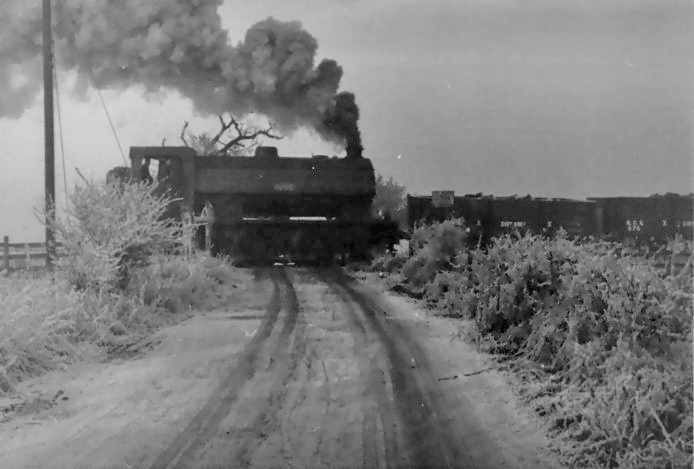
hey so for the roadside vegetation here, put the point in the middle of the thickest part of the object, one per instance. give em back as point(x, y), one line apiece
point(390, 200)
point(601, 337)
point(123, 273)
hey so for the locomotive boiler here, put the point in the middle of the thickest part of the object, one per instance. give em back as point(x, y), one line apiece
point(268, 207)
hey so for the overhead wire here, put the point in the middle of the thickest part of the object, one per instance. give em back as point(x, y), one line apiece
point(103, 104)
point(60, 126)
point(113, 129)
point(60, 132)
point(108, 115)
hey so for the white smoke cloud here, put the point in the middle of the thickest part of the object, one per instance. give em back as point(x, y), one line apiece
point(179, 45)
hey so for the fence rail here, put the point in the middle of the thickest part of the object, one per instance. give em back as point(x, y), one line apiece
point(17, 256)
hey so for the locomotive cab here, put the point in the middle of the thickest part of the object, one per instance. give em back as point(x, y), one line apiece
point(170, 169)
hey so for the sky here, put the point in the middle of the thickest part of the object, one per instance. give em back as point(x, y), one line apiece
point(543, 97)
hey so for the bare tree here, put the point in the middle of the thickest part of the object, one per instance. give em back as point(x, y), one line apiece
point(233, 137)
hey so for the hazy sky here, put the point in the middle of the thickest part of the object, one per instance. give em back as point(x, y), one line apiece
point(549, 98)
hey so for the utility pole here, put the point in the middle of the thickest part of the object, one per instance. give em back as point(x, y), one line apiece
point(49, 150)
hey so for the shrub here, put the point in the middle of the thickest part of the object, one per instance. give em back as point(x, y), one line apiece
point(446, 290)
point(45, 323)
point(42, 324)
point(611, 329)
point(388, 263)
point(120, 278)
point(390, 200)
point(112, 228)
point(435, 247)
point(177, 284)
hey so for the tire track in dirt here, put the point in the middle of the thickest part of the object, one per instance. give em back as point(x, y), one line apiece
point(379, 430)
point(251, 420)
point(206, 421)
point(415, 392)
point(244, 426)
point(333, 397)
point(283, 361)
point(315, 418)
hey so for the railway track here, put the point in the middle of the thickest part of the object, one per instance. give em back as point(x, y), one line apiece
point(329, 379)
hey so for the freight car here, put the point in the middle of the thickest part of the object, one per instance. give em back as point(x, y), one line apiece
point(633, 219)
point(269, 207)
point(653, 219)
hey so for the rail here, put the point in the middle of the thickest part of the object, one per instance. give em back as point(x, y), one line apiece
point(16, 256)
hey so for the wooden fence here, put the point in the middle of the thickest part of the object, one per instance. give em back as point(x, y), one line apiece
point(22, 255)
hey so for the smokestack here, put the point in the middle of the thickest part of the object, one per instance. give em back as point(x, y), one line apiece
point(354, 152)
point(180, 45)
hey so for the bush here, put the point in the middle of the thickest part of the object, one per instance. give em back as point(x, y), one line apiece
point(176, 284)
point(388, 262)
point(611, 327)
point(435, 248)
point(120, 278)
point(112, 228)
point(390, 200)
point(45, 323)
point(448, 292)
point(612, 330)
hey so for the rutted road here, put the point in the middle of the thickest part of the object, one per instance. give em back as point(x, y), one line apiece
point(334, 376)
point(329, 380)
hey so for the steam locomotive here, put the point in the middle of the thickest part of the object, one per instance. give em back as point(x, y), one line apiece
point(267, 208)
point(638, 220)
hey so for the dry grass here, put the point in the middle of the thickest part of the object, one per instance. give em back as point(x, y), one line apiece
point(43, 324)
point(46, 324)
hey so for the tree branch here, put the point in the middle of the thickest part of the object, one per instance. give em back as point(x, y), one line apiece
point(224, 128)
point(245, 138)
point(245, 135)
point(183, 134)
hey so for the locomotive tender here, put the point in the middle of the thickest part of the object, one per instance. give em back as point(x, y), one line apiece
point(269, 207)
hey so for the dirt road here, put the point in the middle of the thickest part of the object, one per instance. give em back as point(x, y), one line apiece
point(331, 374)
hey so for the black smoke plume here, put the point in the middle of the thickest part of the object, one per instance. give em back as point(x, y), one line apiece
point(340, 121)
point(179, 45)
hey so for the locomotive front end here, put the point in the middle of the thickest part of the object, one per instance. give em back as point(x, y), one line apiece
point(268, 208)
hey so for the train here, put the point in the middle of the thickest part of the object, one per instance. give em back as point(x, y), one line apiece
point(634, 220)
point(269, 208)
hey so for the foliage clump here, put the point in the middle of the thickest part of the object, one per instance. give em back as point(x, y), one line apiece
point(122, 274)
point(435, 248)
point(390, 200)
point(112, 228)
point(607, 334)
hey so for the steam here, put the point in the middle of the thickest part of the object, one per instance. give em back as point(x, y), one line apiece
point(179, 45)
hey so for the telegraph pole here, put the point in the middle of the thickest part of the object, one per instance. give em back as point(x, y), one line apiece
point(49, 150)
